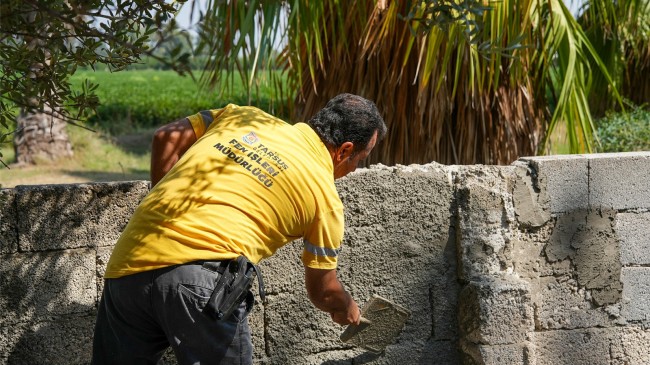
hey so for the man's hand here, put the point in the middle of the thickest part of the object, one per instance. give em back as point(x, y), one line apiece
point(169, 143)
point(327, 293)
point(351, 315)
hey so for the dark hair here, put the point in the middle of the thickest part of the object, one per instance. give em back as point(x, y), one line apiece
point(348, 118)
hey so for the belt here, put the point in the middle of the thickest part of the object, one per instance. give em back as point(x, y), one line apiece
point(214, 266)
point(221, 266)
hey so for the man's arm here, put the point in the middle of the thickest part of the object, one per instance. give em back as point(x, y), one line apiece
point(327, 293)
point(169, 143)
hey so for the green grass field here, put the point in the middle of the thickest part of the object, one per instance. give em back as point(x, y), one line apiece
point(134, 103)
point(134, 100)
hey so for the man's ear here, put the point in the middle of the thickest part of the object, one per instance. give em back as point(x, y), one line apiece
point(344, 152)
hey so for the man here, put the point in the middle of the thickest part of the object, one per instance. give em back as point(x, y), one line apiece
point(228, 183)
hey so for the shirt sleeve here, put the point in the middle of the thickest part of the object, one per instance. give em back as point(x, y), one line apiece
point(322, 241)
point(205, 119)
point(202, 120)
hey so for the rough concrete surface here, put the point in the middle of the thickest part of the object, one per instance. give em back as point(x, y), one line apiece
point(63, 340)
point(8, 215)
point(593, 346)
point(633, 233)
point(499, 354)
point(560, 303)
point(483, 221)
point(574, 347)
point(395, 245)
point(608, 188)
point(530, 211)
point(38, 285)
point(72, 216)
point(541, 262)
point(563, 181)
point(636, 294)
point(631, 347)
point(496, 311)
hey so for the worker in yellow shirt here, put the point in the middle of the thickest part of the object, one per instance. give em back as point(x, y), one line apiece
point(229, 187)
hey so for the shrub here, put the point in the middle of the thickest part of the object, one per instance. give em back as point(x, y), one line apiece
point(624, 132)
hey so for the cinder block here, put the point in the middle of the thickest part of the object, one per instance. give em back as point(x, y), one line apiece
point(633, 232)
point(636, 294)
point(520, 354)
point(562, 181)
point(574, 347)
point(530, 211)
point(482, 216)
point(296, 330)
point(39, 285)
point(103, 254)
point(8, 222)
point(586, 238)
point(561, 304)
point(64, 340)
point(619, 180)
point(481, 193)
point(383, 195)
point(632, 349)
point(73, 216)
point(496, 311)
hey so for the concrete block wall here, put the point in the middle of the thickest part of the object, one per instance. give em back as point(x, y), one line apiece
point(542, 262)
point(587, 263)
point(52, 241)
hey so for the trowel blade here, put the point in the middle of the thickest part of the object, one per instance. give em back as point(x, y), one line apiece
point(352, 329)
point(384, 321)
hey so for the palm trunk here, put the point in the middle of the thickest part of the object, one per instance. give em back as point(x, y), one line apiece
point(41, 137)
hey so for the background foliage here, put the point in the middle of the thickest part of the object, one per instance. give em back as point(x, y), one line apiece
point(625, 132)
point(136, 100)
point(42, 43)
point(459, 81)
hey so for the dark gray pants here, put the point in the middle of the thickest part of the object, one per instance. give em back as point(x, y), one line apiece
point(141, 315)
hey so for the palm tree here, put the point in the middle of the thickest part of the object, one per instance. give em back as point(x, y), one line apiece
point(620, 33)
point(457, 82)
point(41, 137)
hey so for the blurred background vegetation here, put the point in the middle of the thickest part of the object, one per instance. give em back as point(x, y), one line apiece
point(458, 81)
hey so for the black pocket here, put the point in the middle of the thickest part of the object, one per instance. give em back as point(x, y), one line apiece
point(194, 297)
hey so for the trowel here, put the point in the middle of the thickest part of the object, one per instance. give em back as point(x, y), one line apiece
point(381, 322)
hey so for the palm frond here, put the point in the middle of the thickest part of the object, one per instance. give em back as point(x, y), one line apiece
point(457, 81)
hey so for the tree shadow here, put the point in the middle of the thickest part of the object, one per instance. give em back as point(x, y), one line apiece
point(49, 284)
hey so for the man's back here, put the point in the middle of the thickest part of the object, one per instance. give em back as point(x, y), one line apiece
point(248, 185)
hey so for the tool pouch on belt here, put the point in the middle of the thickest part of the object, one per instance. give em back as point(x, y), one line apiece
point(233, 288)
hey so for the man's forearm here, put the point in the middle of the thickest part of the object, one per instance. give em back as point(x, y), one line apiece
point(328, 294)
point(333, 299)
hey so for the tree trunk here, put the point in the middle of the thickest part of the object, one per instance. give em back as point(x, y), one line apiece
point(41, 137)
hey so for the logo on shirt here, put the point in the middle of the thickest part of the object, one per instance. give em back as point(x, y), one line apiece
point(250, 138)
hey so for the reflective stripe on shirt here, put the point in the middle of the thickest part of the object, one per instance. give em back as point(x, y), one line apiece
point(321, 251)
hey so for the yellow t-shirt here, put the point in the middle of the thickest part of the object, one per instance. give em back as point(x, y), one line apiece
point(250, 184)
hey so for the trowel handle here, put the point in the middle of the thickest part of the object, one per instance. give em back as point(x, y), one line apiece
point(364, 322)
point(353, 329)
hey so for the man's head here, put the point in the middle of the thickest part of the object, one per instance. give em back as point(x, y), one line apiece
point(349, 126)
